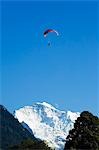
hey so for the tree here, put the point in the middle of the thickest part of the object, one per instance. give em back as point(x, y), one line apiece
point(30, 145)
point(85, 134)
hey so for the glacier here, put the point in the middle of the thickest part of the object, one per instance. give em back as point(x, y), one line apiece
point(47, 123)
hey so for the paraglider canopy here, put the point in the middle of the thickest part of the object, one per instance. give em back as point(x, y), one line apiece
point(50, 30)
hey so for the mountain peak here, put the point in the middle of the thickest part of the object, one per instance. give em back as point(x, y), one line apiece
point(48, 123)
point(46, 105)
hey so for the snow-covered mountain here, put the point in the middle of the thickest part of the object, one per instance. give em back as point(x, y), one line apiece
point(47, 123)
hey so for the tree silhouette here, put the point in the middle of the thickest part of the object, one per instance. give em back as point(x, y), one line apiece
point(85, 134)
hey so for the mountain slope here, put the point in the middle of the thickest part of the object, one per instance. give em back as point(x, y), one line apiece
point(11, 131)
point(47, 123)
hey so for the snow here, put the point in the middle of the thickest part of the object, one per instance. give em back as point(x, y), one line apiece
point(72, 115)
point(47, 123)
point(47, 105)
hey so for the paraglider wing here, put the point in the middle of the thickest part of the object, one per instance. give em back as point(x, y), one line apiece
point(50, 30)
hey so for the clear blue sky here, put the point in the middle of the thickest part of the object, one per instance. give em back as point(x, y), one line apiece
point(64, 74)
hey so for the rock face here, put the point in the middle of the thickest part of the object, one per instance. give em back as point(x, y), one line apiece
point(11, 131)
point(47, 123)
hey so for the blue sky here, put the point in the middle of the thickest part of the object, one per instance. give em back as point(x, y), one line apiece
point(64, 74)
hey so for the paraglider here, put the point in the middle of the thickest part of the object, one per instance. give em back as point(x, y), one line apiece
point(50, 30)
point(46, 32)
point(49, 43)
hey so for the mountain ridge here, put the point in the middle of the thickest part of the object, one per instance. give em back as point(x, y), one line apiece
point(11, 131)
